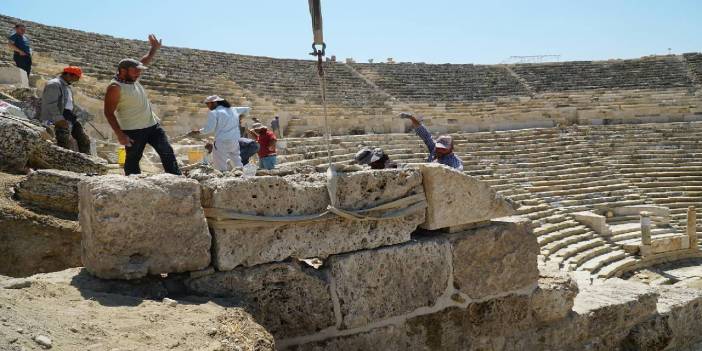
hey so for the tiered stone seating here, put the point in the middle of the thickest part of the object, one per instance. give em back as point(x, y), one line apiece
point(694, 62)
point(661, 160)
point(645, 73)
point(445, 83)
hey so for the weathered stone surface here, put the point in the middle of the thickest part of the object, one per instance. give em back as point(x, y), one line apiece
point(22, 144)
point(249, 243)
point(676, 325)
point(134, 226)
point(17, 141)
point(455, 198)
point(48, 155)
point(51, 190)
point(376, 284)
point(13, 75)
point(287, 298)
point(614, 305)
point(496, 259)
point(390, 338)
point(554, 297)
point(267, 195)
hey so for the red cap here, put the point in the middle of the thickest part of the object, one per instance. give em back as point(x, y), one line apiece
point(76, 71)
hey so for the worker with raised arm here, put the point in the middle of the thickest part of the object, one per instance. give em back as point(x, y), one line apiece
point(441, 149)
point(129, 113)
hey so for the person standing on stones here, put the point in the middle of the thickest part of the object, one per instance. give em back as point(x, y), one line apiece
point(57, 106)
point(375, 158)
point(19, 43)
point(266, 140)
point(441, 149)
point(223, 121)
point(129, 113)
point(275, 125)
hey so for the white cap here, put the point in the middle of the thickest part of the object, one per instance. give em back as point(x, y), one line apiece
point(213, 98)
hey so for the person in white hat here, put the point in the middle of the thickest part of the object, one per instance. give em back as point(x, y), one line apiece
point(223, 121)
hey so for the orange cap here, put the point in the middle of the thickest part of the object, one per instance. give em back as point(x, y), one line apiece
point(73, 70)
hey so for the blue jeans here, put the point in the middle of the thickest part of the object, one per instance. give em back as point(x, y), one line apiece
point(156, 137)
point(268, 162)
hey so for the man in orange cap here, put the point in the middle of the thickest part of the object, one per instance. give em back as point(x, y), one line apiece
point(57, 109)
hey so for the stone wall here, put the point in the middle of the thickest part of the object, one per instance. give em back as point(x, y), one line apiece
point(473, 289)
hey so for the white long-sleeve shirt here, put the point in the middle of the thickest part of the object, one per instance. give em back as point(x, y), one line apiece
point(224, 122)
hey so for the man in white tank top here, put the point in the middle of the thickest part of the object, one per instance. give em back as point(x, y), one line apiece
point(129, 113)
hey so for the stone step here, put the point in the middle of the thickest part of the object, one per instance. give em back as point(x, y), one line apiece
point(546, 239)
point(616, 267)
point(595, 250)
point(563, 242)
point(597, 262)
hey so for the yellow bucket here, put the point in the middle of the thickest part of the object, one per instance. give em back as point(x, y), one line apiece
point(195, 156)
point(121, 156)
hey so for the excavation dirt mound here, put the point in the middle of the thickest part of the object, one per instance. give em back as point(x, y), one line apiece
point(70, 310)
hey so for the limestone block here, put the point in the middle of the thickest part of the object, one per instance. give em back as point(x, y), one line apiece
point(134, 226)
point(18, 140)
point(14, 75)
point(499, 258)
point(390, 338)
point(454, 198)
point(287, 298)
point(554, 297)
point(614, 305)
point(50, 156)
point(249, 243)
point(267, 195)
point(376, 284)
point(680, 310)
point(596, 222)
point(51, 190)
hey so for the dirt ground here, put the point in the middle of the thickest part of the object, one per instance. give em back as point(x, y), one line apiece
point(78, 312)
point(33, 242)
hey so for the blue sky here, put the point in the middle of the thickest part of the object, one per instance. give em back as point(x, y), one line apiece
point(410, 30)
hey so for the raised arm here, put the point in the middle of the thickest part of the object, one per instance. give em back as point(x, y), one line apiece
point(421, 131)
point(14, 48)
point(111, 101)
point(155, 46)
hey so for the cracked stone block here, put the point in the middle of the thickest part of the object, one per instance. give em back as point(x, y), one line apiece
point(134, 226)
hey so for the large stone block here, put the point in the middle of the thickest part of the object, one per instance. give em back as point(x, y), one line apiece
point(456, 199)
point(22, 144)
point(51, 156)
point(554, 298)
point(676, 325)
point(52, 190)
point(18, 139)
point(376, 284)
point(495, 259)
point(287, 298)
point(14, 75)
point(134, 226)
point(614, 305)
point(249, 242)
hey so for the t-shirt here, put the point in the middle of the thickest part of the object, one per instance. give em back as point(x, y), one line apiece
point(21, 42)
point(264, 140)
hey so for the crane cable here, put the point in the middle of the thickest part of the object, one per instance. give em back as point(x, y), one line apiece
point(318, 50)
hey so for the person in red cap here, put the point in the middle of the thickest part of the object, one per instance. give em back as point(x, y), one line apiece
point(57, 109)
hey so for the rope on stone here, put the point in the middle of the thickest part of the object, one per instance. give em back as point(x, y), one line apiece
point(318, 33)
point(393, 209)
